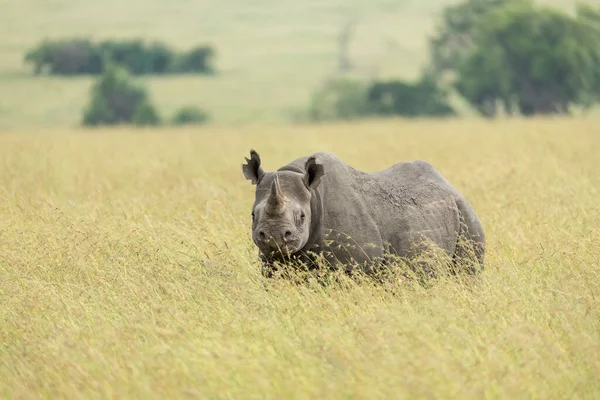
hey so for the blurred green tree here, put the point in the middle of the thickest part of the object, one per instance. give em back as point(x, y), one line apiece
point(197, 60)
point(65, 57)
point(115, 99)
point(339, 99)
point(347, 99)
point(455, 36)
point(526, 58)
point(81, 56)
point(422, 98)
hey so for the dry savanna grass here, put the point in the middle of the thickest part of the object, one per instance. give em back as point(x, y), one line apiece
point(127, 269)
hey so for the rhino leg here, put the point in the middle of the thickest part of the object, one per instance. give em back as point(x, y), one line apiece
point(470, 246)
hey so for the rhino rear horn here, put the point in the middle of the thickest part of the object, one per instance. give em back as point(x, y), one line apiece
point(253, 171)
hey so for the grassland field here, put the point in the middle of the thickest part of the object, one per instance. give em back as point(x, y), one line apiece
point(277, 50)
point(127, 269)
point(126, 264)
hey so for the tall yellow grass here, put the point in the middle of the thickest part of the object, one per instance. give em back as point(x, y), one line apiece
point(127, 269)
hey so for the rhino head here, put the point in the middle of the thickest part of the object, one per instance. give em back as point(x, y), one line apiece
point(281, 214)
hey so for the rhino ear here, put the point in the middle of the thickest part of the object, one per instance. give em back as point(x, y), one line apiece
point(313, 174)
point(252, 169)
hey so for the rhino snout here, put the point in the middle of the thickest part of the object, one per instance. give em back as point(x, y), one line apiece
point(281, 239)
point(287, 236)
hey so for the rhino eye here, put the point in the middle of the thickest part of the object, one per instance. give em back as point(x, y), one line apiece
point(252, 216)
point(302, 216)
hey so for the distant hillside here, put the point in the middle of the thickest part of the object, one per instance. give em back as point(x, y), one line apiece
point(271, 54)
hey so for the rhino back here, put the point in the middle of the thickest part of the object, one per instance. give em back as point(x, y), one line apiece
point(411, 201)
point(389, 210)
point(395, 208)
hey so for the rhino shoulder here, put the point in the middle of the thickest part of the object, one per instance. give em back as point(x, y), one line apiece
point(324, 157)
point(298, 164)
point(410, 170)
point(421, 166)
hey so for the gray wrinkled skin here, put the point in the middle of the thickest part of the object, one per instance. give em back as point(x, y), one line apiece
point(318, 205)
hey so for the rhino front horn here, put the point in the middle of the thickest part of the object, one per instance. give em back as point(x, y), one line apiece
point(276, 198)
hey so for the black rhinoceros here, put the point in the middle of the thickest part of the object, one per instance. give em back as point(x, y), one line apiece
point(318, 205)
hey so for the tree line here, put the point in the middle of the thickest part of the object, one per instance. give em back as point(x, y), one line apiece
point(115, 98)
point(511, 55)
point(78, 56)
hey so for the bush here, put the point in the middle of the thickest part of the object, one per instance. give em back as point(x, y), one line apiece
point(159, 58)
point(198, 60)
point(81, 56)
point(346, 99)
point(339, 99)
point(66, 57)
point(139, 58)
point(189, 115)
point(116, 100)
point(395, 97)
point(145, 114)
